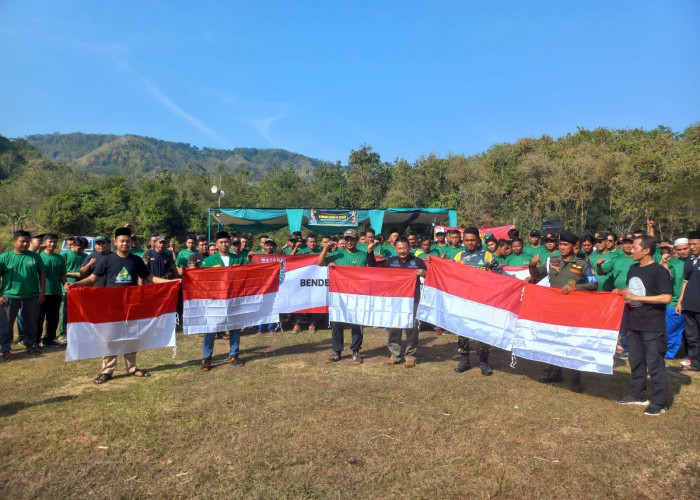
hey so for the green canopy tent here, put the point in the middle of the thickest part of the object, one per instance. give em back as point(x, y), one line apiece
point(261, 220)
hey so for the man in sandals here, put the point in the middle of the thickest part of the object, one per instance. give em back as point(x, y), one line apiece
point(119, 268)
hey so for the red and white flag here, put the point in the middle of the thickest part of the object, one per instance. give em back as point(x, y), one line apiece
point(108, 321)
point(219, 299)
point(520, 272)
point(577, 330)
point(303, 284)
point(372, 296)
point(470, 302)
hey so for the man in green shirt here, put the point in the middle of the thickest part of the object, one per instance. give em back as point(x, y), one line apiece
point(74, 258)
point(605, 283)
point(388, 247)
point(136, 248)
point(22, 291)
point(618, 267)
point(427, 249)
point(55, 269)
point(350, 256)
point(518, 257)
point(223, 258)
point(499, 252)
point(184, 255)
point(310, 248)
point(454, 237)
point(441, 244)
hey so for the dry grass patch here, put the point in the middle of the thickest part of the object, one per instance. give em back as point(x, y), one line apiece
point(288, 425)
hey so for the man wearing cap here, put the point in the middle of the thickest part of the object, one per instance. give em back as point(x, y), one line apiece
point(475, 256)
point(349, 256)
point(689, 301)
point(605, 283)
point(569, 273)
point(102, 248)
point(675, 322)
point(159, 261)
point(404, 260)
point(441, 244)
point(36, 244)
point(534, 248)
point(223, 258)
point(119, 268)
point(551, 247)
point(21, 292)
point(55, 269)
point(74, 257)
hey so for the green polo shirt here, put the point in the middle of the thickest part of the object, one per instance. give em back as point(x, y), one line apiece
point(55, 271)
point(451, 252)
point(345, 258)
point(676, 266)
point(518, 260)
point(606, 282)
point(618, 267)
point(306, 251)
point(182, 258)
point(73, 263)
point(20, 274)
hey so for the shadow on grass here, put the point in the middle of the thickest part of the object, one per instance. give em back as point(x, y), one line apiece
point(8, 409)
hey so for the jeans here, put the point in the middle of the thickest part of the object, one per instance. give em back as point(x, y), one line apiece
point(337, 330)
point(29, 308)
point(675, 325)
point(234, 340)
point(647, 351)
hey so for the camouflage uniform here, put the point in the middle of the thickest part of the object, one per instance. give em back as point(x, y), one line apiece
point(484, 260)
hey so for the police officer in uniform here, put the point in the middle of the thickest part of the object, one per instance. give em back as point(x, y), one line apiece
point(567, 272)
point(474, 255)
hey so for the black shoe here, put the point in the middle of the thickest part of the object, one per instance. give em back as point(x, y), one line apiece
point(576, 387)
point(553, 377)
point(485, 369)
point(631, 400)
point(206, 364)
point(654, 410)
point(52, 343)
point(463, 365)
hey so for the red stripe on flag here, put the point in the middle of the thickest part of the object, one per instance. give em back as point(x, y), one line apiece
point(230, 282)
point(373, 281)
point(121, 303)
point(292, 262)
point(467, 282)
point(599, 310)
point(313, 310)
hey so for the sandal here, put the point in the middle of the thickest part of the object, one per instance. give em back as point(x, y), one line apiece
point(140, 373)
point(102, 378)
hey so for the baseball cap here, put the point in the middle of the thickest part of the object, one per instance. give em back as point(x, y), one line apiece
point(350, 233)
point(628, 237)
point(101, 238)
point(550, 236)
point(535, 232)
point(269, 240)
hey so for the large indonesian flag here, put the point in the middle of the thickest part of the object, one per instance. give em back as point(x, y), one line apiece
point(108, 321)
point(470, 302)
point(304, 285)
point(499, 232)
point(219, 299)
point(520, 272)
point(577, 330)
point(372, 296)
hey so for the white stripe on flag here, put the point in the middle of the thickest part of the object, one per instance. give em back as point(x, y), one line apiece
point(95, 340)
point(466, 318)
point(294, 297)
point(586, 349)
point(220, 315)
point(371, 310)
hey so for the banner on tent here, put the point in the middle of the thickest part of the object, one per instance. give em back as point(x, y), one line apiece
point(338, 218)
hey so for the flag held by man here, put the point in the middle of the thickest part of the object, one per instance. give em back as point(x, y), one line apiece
point(220, 299)
point(108, 321)
point(379, 297)
point(470, 302)
point(578, 330)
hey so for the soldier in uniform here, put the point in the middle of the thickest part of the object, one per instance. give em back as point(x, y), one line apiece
point(567, 272)
point(474, 255)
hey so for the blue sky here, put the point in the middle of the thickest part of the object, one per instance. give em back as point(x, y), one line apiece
point(321, 78)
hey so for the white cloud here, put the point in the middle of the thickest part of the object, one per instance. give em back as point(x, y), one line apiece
point(262, 126)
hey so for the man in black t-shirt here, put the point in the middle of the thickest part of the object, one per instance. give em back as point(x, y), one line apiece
point(648, 292)
point(159, 261)
point(119, 268)
point(689, 300)
point(102, 248)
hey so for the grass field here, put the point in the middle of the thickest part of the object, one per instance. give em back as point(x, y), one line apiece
point(287, 425)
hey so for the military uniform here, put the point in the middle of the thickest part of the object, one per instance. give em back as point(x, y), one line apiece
point(576, 272)
point(485, 260)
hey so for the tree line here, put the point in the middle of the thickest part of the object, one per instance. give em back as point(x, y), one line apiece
point(592, 179)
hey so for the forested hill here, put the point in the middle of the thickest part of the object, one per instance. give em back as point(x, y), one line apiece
point(105, 154)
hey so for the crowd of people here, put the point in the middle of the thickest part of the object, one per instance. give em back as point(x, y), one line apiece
point(659, 280)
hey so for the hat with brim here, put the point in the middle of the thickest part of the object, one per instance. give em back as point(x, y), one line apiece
point(101, 239)
point(350, 233)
